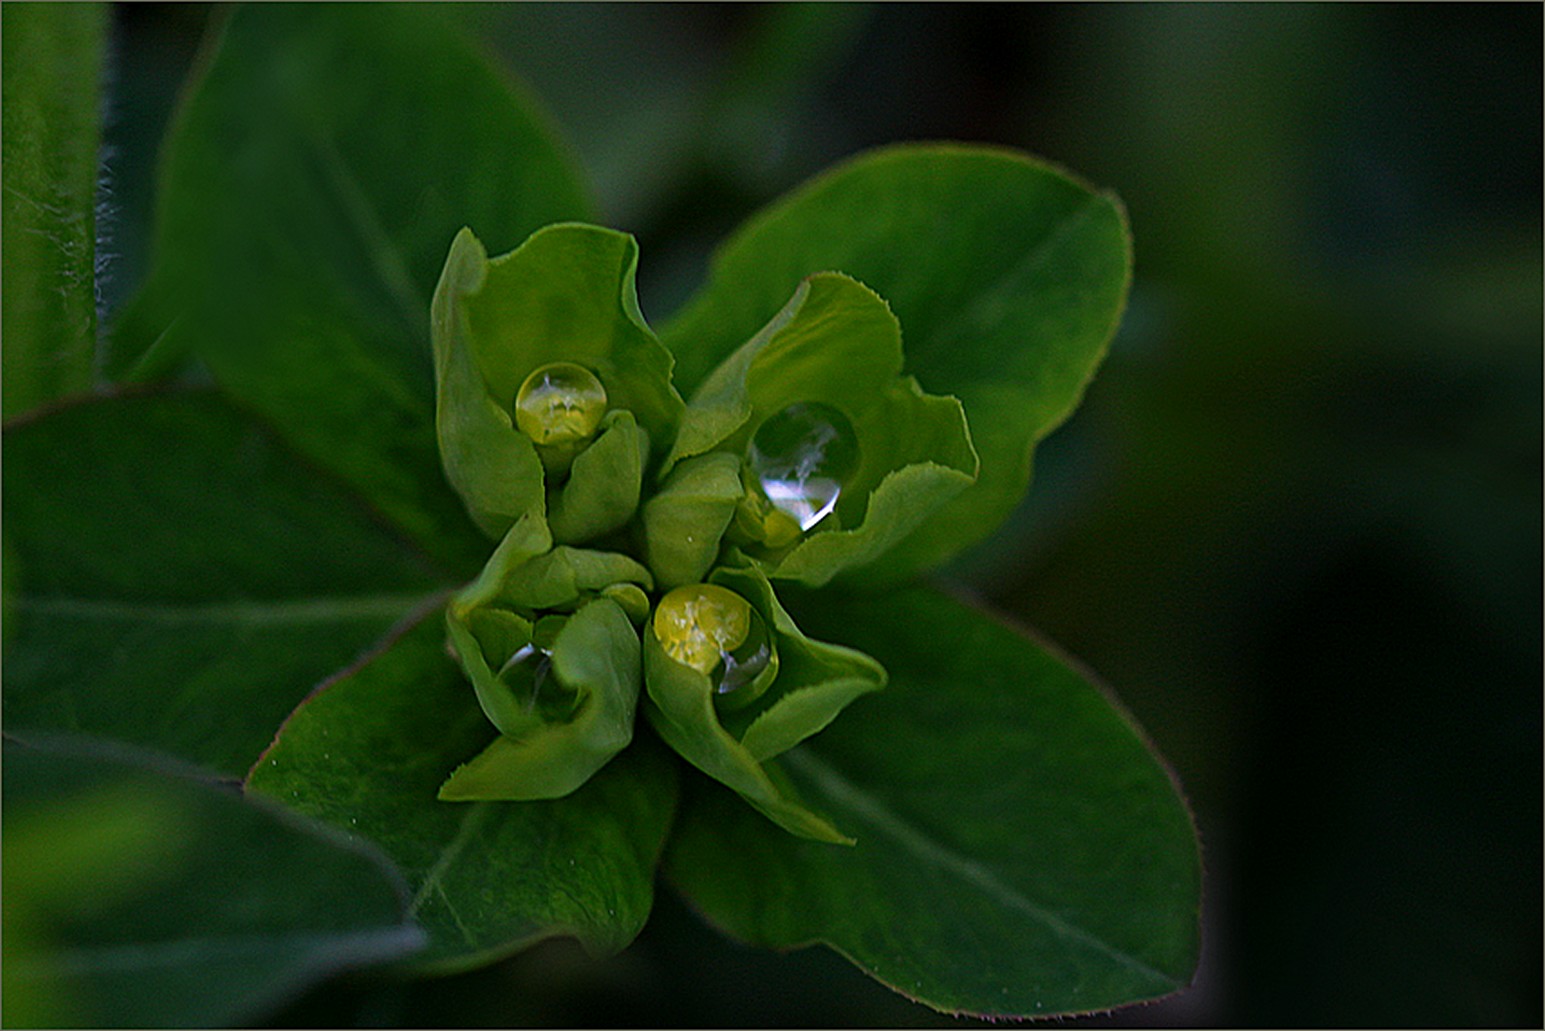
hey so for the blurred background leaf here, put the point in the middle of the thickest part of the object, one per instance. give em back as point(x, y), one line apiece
point(138, 894)
point(52, 139)
point(1297, 522)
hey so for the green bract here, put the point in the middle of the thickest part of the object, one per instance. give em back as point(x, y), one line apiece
point(685, 521)
point(1008, 277)
point(565, 295)
point(836, 343)
point(561, 688)
point(806, 453)
point(814, 682)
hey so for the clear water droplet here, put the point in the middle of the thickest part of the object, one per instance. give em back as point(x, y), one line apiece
point(560, 403)
point(529, 675)
point(526, 673)
point(801, 457)
point(716, 632)
point(744, 664)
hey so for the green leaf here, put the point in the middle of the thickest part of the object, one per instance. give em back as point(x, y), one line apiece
point(813, 682)
point(312, 182)
point(177, 579)
point(604, 484)
point(565, 295)
point(548, 750)
point(836, 343)
point(51, 136)
point(139, 896)
point(564, 577)
point(368, 754)
point(595, 659)
point(686, 518)
point(493, 468)
point(1020, 849)
point(1008, 278)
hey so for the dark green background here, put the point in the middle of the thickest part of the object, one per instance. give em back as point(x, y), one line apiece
point(1296, 524)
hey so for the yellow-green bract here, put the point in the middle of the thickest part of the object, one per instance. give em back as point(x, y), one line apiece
point(807, 453)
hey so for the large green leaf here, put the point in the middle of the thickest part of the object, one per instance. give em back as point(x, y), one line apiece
point(311, 186)
point(1020, 849)
point(178, 579)
point(52, 71)
point(369, 754)
point(139, 896)
point(1007, 275)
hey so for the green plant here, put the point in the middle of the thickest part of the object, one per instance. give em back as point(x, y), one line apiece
point(258, 565)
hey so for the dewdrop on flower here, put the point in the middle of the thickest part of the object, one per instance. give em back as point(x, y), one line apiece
point(560, 404)
point(797, 465)
point(716, 632)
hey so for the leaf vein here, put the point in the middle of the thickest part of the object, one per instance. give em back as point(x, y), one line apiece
point(384, 255)
point(245, 612)
point(450, 907)
point(991, 303)
point(477, 815)
point(877, 814)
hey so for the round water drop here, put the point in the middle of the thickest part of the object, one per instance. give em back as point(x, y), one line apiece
point(561, 403)
point(802, 457)
point(716, 632)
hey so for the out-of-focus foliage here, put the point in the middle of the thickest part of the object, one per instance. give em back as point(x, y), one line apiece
point(140, 893)
point(52, 133)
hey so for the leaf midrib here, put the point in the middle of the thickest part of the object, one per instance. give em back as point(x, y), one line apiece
point(875, 812)
point(384, 255)
point(247, 612)
point(978, 314)
point(471, 823)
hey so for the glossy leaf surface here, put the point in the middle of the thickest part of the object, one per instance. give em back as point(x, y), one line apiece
point(179, 579)
point(52, 71)
point(312, 184)
point(368, 754)
point(1020, 850)
point(1007, 275)
point(140, 896)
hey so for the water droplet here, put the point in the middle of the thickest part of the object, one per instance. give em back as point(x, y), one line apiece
point(560, 403)
point(801, 458)
point(716, 632)
point(528, 674)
